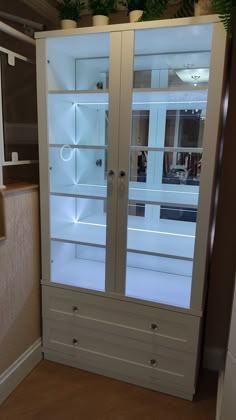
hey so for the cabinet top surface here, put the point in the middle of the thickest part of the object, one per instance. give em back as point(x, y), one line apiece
point(130, 26)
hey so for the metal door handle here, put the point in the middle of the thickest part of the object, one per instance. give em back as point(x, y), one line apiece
point(111, 173)
point(122, 174)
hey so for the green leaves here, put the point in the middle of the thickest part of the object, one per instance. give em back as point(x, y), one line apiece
point(69, 9)
point(154, 9)
point(102, 7)
point(225, 10)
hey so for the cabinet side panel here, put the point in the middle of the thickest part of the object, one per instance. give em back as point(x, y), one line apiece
point(41, 54)
point(211, 142)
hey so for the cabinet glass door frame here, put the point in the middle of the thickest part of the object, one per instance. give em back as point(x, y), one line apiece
point(210, 155)
point(112, 160)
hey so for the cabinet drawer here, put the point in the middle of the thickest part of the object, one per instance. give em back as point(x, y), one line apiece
point(170, 329)
point(159, 363)
point(68, 338)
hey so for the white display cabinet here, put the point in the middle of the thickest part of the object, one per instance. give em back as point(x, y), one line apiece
point(129, 125)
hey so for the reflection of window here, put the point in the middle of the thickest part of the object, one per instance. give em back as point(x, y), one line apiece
point(139, 138)
point(184, 128)
point(181, 168)
point(176, 213)
point(138, 157)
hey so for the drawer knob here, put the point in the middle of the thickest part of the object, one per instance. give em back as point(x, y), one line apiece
point(154, 327)
point(74, 341)
point(153, 362)
point(75, 308)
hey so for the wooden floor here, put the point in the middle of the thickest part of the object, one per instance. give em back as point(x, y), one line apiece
point(55, 392)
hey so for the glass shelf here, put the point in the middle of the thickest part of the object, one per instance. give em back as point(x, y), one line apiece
point(98, 192)
point(79, 233)
point(167, 149)
point(168, 238)
point(162, 287)
point(146, 195)
point(177, 99)
point(78, 146)
point(87, 97)
point(168, 197)
point(76, 264)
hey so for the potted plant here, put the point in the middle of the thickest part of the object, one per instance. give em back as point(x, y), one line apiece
point(226, 9)
point(69, 12)
point(101, 9)
point(203, 7)
point(135, 8)
point(154, 9)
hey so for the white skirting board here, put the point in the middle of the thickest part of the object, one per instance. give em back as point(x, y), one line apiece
point(20, 369)
point(214, 358)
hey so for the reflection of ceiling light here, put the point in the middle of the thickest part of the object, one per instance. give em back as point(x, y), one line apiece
point(193, 75)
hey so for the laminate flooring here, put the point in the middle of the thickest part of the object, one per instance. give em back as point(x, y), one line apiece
point(56, 392)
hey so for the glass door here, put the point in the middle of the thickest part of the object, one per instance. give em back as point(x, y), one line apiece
point(169, 99)
point(81, 167)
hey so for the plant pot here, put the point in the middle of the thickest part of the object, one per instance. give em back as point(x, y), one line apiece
point(100, 20)
point(68, 24)
point(135, 15)
point(203, 7)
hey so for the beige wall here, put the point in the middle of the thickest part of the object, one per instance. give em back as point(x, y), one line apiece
point(19, 277)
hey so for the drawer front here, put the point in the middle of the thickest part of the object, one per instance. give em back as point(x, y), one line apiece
point(159, 363)
point(69, 339)
point(120, 369)
point(166, 328)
